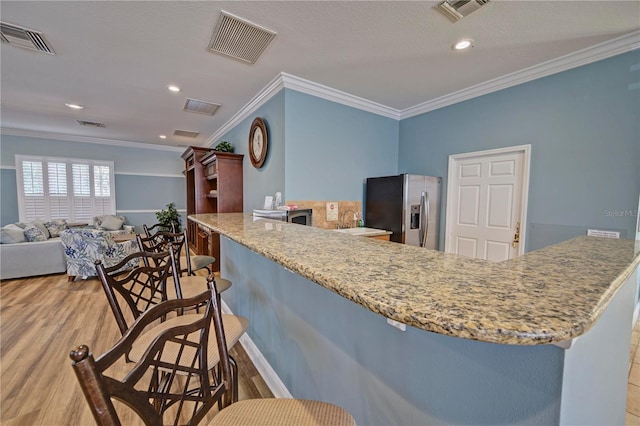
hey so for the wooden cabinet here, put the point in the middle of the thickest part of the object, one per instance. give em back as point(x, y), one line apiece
point(214, 185)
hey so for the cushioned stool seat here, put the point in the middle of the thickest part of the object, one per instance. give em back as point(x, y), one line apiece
point(234, 328)
point(282, 412)
point(198, 261)
point(193, 285)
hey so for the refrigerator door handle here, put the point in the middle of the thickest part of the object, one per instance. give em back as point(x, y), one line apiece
point(424, 218)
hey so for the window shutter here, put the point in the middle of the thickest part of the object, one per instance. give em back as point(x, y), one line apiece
point(102, 188)
point(82, 206)
point(58, 197)
point(33, 182)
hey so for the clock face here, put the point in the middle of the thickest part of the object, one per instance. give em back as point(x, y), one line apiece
point(258, 142)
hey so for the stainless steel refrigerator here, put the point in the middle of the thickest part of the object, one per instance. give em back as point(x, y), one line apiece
point(407, 205)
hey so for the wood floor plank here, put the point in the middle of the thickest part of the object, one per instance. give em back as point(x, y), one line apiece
point(41, 320)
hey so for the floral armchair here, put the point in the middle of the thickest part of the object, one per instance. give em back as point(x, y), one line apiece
point(82, 247)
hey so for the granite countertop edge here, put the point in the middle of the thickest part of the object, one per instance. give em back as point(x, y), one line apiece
point(551, 295)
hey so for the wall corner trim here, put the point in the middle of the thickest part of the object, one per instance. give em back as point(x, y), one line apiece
point(619, 45)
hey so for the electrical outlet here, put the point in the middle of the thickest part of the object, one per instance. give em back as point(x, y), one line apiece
point(599, 233)
point(332, 211)
point(397, 324)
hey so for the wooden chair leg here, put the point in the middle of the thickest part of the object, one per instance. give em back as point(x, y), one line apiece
point(70, 278)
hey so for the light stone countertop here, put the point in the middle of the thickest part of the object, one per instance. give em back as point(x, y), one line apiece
point(547, 296)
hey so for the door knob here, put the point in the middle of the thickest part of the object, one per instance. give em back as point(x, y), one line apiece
point(516, 236)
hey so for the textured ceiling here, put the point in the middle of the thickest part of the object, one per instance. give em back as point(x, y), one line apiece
point(117, 58)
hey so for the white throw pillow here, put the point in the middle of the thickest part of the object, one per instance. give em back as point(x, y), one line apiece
point(11, 234)
point(112, 223)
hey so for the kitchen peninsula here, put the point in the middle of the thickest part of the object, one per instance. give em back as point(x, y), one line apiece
point(541, 339)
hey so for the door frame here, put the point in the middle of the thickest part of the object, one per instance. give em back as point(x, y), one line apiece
point(452, 187)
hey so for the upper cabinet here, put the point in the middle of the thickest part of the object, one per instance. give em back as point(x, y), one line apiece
point(214, 185)
point(223, 177)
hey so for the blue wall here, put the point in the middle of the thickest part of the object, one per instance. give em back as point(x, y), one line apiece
point(8, 196)
point(332, 148)
point(325, 347)
point(583, 125)
point(318, 150)
point(146, 180)
point(270, 178)
point(584, 129)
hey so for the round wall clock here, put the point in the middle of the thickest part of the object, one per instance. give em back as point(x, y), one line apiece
point(258, 142)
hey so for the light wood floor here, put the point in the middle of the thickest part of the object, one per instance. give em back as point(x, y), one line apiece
point(41, 320)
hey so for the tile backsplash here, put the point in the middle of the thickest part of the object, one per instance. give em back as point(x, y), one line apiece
point(320, 210)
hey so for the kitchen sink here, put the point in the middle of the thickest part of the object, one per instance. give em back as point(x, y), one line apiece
point(269, 213)
point(363, 232)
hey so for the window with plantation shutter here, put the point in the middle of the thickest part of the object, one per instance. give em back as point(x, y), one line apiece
point(58, 198)
point(82, 205)
point(58, 188)
point(32, 189)
point(102, 189)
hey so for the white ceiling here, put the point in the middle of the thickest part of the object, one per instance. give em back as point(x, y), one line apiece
point(117, 57)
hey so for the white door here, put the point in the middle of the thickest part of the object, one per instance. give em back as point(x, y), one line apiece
point(486, 203)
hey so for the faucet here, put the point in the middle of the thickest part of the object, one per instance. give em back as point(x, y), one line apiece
point(349, 224)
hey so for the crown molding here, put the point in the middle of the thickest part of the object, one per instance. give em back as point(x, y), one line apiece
point(619, 45)
point(585, 56)
point(289, 81)
point(324, 92)
point(85, 139)
point(249, 108)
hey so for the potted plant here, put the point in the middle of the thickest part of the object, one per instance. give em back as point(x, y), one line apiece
point(170, 216)
point(224, 146)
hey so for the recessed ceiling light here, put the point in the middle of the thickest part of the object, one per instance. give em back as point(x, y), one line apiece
point(163, 136)
point(74, 106)
point(173, 88)
point(463, 44)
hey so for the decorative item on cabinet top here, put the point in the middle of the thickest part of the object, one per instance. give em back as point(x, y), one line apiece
point(258, 142)
point(224, 146)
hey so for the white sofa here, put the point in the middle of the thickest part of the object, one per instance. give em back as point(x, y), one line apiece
point(32, 258)
point(20, 258)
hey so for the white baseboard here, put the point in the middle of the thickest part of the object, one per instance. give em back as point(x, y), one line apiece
point(269, 375)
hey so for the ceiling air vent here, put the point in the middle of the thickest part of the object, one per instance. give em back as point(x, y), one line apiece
point(185, 133)
point(240, 39)
point(25, 38)
point(200, 107)
point(455, 10)
point(90, 123)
